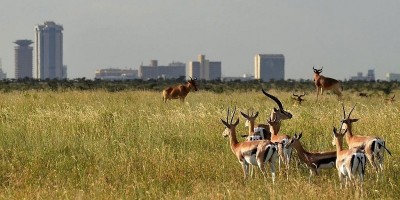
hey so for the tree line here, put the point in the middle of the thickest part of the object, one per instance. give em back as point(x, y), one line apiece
point(83, 84)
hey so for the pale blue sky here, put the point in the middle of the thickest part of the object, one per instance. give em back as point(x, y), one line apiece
point(344, 36)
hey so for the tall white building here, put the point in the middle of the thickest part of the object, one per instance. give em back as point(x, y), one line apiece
point(49, 51)
point(269, 67)
point(205, 69)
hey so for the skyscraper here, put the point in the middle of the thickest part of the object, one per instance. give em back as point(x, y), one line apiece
point(269, 66)
point(23, 59)
point(49, 51)
point(205, 69)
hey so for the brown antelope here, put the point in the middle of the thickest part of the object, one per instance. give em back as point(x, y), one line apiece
point(325, 83)
point(282, 139)
point(180, 91)
point(256, 152)
point(299, 97)
point(374, 146)
point(390, 100)
point(313, 160)
point(348, 162)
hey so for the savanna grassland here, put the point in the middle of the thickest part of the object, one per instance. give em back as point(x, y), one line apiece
point(131, 145)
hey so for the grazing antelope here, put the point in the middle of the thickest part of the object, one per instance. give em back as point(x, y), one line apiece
point(313, 160)
point(180, 91)
point(348, 162)
point(256, 152)
point(374, 146)
point(325, 83)
point(282, 139)
point(391, 99)
point(299, 97)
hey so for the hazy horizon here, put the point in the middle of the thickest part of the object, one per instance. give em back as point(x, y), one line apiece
point(345, 37)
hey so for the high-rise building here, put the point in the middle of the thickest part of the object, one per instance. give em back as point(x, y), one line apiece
point(23, 59)
point(49, 51)
point(154, 71)
point(2, 74)
point(205, 69)
point(269, 67)
point(392, 77)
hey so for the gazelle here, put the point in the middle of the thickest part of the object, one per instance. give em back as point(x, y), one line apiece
point(299, 97)
point(180, 91)
point(256, 152)
point(277, 113)
point(313, 160)
point(374, 146)
point(348, 162)
point(282, 139)
point(325, 83)
point(257, 133)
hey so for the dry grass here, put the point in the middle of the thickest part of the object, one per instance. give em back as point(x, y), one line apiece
point(100, 145)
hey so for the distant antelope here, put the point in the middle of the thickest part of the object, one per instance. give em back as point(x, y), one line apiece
point(348, 162)
point(299, 97)
point(313, 160)
point(390, 100)
point(180, 91)
point(374, 146)
point(325, 83)
point(256, 152)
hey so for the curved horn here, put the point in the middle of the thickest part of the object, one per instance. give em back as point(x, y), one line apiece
point(313, 67)
point(273, 98)
point(233, 114)
point(344, 112)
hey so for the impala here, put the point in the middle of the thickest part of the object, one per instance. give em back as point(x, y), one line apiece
point(313, 160)
point(256, 152)
point(299, 97)
point(374, 146)
point(180, 91)
point(282, 139)
point(348, 162)
point(325, 83)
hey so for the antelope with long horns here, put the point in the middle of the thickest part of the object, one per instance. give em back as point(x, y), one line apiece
point(313, 160)
point(256, 152)
point(180, 91)
point(323, 83)
point(374, 146)
point(348, 162)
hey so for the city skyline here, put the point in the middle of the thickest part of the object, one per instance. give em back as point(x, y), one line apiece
point(344, 37)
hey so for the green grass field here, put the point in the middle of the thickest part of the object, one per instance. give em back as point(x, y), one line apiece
point(131, 145)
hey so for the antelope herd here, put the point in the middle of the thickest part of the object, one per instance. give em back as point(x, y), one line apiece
point(265, 143)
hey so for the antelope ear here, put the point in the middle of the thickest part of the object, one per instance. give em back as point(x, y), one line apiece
point(244, 136)
point(244, 115)
point(225, 123)
point(237, 122)
point(354, 120)
point(300, 135)
point(256, 115)
point(276, 110)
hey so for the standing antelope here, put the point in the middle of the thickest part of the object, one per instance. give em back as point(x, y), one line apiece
point(374, 146)
point(282, 139)
point(348, 162)
point(180, 91)
point(313, 160)
point(298, 97)
point(325, 83)
point(254, 133)
point(256, 152)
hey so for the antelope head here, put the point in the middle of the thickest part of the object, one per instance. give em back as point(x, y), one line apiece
point(347, 121)
point(230, 126)
point(294, 141)
point(298, 97)
point(317, 71)
point(192, 82)
point(338, 135)
point(280, 113)
point(249, 117)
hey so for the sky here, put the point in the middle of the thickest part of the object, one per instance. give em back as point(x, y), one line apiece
point(345, 37)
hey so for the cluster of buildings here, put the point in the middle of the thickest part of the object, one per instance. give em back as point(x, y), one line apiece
point(266, 67)
point(43, 59)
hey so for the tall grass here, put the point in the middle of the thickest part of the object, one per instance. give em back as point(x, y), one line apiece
point(100, 145)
